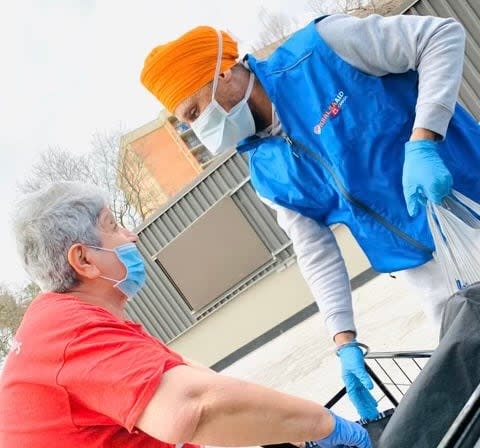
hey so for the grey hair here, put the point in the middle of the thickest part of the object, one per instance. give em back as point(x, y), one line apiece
point(48, 222)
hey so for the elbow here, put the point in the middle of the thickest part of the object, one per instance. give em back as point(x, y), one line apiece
point(185, 423)
point(456, 29)
point(172, 419)
point(460, 30)
point(177, 408)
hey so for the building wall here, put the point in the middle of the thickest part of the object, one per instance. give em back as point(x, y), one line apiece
point(168, 160)
point(145, 196)
point(172, 156)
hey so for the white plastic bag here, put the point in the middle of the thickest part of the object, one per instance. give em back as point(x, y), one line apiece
point(455, 227)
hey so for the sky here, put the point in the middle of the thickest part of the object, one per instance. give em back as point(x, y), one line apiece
point(70, 68)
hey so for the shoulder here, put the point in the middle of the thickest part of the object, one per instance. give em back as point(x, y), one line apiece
point(338, 26)
point(62, 313)
point(50, 324)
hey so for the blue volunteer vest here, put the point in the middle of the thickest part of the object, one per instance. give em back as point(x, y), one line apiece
point(342, 156)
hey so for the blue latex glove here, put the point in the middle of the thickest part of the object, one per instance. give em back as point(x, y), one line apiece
point(345, 433)
point(424, 175)
point(357, 380)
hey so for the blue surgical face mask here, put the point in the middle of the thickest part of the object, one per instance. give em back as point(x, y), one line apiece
point(218, 129)
point(130, 257)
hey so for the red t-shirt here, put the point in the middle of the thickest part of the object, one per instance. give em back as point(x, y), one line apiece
point(77, 376)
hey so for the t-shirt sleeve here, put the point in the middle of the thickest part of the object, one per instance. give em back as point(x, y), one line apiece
point(114, 370)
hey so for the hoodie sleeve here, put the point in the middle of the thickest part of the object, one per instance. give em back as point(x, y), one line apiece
point(432, 46)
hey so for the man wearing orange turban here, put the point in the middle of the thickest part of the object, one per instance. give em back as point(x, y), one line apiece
point(199, 72)
point(346, 122)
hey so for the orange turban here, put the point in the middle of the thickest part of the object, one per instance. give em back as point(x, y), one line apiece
point(176, 70)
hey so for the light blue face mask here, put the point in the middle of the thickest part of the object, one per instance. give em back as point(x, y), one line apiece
point(130, 257)
point(218, 129)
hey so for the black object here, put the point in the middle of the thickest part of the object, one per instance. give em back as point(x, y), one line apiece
point(465, 430)
point(280, 445)
point(431, 406)
point(376, 427)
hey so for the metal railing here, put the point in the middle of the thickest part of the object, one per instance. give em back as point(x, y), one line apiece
point(392, 372)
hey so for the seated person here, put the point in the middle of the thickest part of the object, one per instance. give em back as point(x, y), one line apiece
point(81, 374)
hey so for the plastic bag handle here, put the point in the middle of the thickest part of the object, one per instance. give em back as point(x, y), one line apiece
point(455, 228)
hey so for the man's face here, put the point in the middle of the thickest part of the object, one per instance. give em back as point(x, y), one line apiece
point(191, 108)
point(111, 235)
point(231, 89)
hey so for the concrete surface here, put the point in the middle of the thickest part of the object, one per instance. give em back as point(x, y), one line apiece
point(302, 361)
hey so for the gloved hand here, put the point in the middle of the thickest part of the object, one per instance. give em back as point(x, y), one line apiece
point(357, 380)
point(424, 175)
point(345, 433)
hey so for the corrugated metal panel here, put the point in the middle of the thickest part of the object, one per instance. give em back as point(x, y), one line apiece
point(159, 306)
point(467, 12)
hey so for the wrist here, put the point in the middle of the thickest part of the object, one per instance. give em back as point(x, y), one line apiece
point(330, 423)
point(344, 337)
point(418, 148)
point(424, 134)
point(328, 426)
point(364, 349)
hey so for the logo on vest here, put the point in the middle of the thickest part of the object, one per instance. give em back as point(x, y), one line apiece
point(333, 110)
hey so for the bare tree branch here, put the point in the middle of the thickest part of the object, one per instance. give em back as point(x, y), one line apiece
point(123, 175)
point(356, 7)
point(12, 308)
point(276, 27)
point(319, 7)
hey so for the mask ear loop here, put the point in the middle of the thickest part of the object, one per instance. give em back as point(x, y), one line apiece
point(274, 117)
point(116, 282)
point(248, 92)
point(219, 63)
point(217, 71)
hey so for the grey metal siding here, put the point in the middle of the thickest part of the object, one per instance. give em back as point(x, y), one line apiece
point(159, 306)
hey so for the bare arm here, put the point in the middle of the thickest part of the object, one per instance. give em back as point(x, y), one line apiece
point(196, 364)
point(200, 406)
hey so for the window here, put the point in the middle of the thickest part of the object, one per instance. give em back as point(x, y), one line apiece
point(191, 140)
point(215, 253)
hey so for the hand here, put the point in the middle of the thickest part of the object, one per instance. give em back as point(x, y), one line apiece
point(357, 380)
point(345, 433)
point(424, 175)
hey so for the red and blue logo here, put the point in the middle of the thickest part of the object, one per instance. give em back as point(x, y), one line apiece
point(333, 110)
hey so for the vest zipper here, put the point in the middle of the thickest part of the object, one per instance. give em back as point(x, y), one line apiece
point(348, 196)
